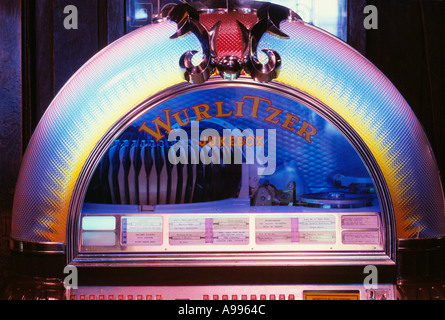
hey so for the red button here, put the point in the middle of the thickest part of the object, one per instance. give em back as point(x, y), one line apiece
point(225, 297)
point(149, 297)
point(263, 297)
point(205, 297)
point(234, 297)
point(120, 297)
point(111, 297)
point(158, 297)
point(215, 297)
point(282, 297)
point(291, 297)
point(253, 297)
point(139, 297)
point(244, 297)
point(272, 297)
point(101, 297)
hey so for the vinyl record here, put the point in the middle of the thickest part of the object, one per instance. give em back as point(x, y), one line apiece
point(336, 200)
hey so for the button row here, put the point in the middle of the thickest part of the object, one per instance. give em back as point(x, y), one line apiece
point(116, 297)
point(252, 297)
point(159, 297)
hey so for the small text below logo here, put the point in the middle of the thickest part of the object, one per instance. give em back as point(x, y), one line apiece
point(234, 145)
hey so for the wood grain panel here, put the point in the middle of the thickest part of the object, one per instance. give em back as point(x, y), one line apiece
point(10, 100)
point(356, 31)
point(44, 56)
point(74, 47)
point(115, 19)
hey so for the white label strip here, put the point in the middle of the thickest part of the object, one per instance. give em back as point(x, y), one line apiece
point(361, 237)
point(360, 222)
point(141, 231)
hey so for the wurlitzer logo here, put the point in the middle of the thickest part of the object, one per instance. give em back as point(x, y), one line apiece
point(258, 146)
point(236, 147)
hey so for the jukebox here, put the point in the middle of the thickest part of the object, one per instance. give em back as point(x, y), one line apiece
point(229, 151)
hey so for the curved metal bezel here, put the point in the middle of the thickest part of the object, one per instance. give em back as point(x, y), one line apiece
point(37, 247)
point(261, 258)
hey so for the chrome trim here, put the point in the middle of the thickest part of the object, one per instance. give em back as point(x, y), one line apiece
point(269, 18)
point(387, 214)
point(227, 261)
point(36, 247)
point(187, 20)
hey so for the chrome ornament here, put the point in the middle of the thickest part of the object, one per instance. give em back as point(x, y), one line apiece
point(230, 67)
point(187, 19)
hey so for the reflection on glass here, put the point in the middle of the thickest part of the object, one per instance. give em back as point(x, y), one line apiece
point(233, 143)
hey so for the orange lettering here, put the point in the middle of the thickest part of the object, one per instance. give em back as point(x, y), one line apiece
point(213, 141)
point(290, 121)
point(239, 141)
point(307, 131)
point(178, 118)
point(219, 110)
point(158, 123)
point(239, 109)
point(202, 114)
point(250, 141)
point(256, 104)
point(260, 141)
point(271, 118)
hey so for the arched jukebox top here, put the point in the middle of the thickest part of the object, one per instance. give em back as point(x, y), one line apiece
point(238, 129)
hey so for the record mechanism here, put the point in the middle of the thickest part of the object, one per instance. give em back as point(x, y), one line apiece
point(336, 200)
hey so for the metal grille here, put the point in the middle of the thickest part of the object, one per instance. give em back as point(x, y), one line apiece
point(229, 41)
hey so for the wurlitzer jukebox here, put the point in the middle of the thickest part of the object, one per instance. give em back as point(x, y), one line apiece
point(229, 151)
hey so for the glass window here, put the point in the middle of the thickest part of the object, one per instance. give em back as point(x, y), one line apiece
point(227, 143)
point(231, 167)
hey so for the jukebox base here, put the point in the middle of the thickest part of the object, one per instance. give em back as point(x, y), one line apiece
point(270, 292)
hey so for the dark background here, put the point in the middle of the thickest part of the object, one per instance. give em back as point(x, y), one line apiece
point(38, 55)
